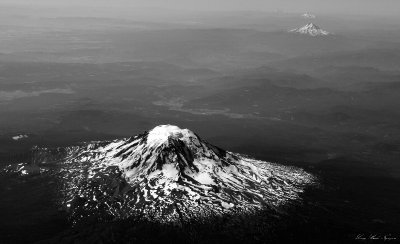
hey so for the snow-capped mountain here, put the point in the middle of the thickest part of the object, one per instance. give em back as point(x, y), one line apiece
point(311, 29)
point(168, 175)
point(308, 16)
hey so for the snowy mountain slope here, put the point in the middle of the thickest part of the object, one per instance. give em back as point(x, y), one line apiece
point(169, 175)
point(312, 30)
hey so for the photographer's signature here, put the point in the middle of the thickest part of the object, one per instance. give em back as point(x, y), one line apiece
point(376, 237)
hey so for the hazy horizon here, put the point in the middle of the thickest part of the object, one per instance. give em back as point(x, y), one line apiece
point(356, 7)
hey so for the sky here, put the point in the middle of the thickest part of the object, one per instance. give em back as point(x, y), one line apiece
point(371, 7)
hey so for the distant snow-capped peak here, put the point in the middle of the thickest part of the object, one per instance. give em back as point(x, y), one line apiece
point(311, 29)
point(309, 16)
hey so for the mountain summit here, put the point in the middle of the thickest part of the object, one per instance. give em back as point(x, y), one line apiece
point(311, 29)
point(168, 175)
point(308, 16)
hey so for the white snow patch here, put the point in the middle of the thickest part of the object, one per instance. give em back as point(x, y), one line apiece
point(19, 137)
point(204, 178)
point(160, 134)
point(170, 171)
point(227, 205)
